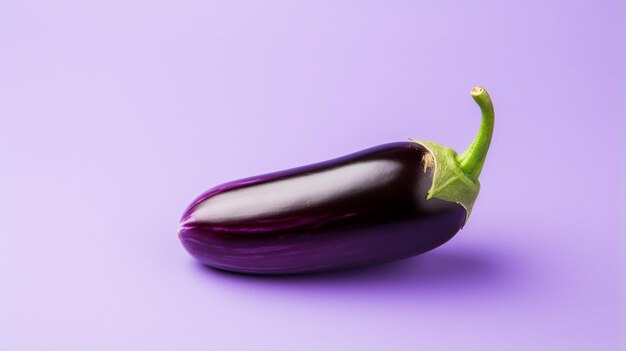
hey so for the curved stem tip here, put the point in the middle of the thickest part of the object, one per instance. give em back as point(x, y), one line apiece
point(471, 160)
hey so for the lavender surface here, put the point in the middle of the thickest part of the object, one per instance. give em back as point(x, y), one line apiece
point(364, 208)
point(114, 114)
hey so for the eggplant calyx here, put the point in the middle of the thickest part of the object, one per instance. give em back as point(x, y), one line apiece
point(455, 176)
point(450, 183)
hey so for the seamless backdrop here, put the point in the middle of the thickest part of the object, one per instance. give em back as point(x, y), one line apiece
point(114, 115)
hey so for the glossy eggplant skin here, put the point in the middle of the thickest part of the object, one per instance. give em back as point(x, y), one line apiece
point(364, 208)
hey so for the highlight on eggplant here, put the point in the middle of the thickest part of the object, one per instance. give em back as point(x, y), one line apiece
point(382, 204)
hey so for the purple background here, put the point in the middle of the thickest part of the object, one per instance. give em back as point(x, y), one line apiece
point(116, 114)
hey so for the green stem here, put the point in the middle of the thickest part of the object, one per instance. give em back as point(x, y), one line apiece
point(471, 160)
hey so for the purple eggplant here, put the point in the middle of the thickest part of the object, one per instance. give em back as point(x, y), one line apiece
point(381, 204)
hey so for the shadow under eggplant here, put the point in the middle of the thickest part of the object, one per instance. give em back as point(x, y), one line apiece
point(443, 268)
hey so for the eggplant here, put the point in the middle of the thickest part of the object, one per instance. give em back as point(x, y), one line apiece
point(382, 204)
